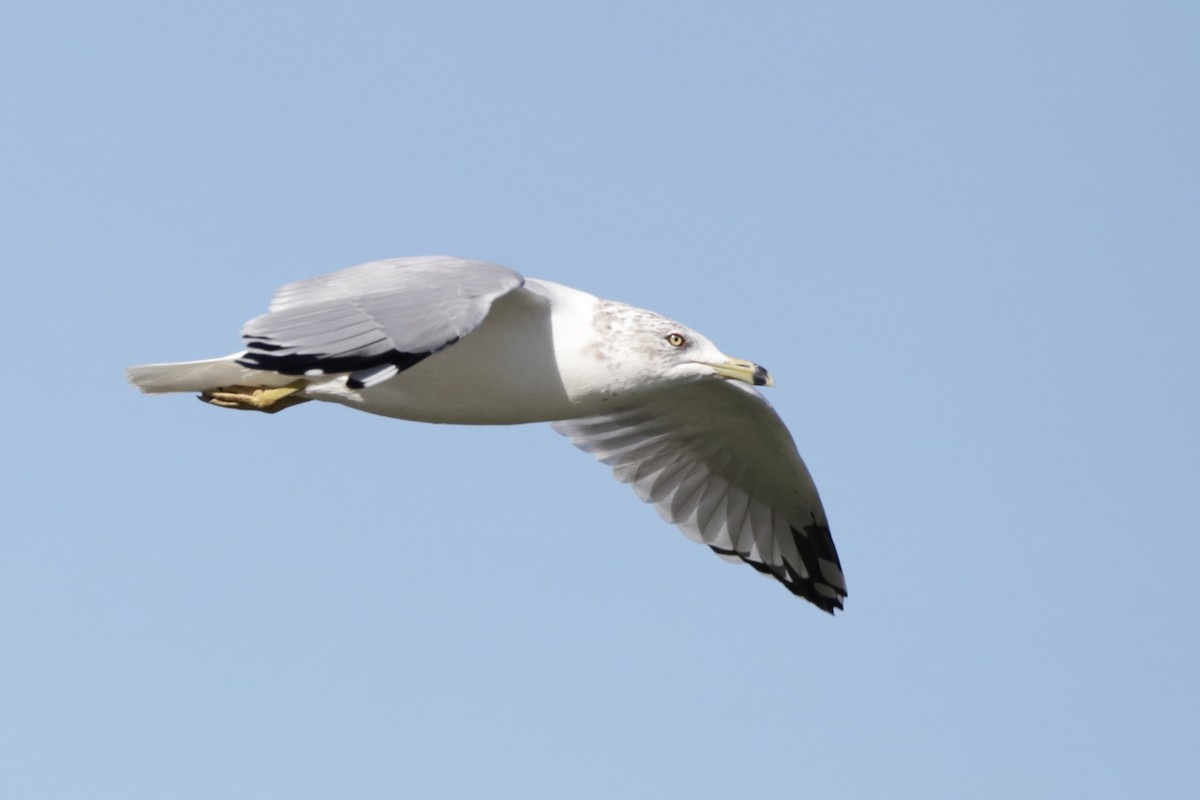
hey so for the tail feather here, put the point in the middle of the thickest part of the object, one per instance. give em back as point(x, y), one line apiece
point(200, 376)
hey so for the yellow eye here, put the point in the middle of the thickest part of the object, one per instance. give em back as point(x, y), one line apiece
point(676, 340)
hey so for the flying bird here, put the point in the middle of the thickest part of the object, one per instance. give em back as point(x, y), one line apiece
point(450, 340)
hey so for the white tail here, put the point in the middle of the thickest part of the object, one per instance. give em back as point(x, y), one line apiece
point(199, 376)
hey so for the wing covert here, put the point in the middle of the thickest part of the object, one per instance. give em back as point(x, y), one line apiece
point(374, 320)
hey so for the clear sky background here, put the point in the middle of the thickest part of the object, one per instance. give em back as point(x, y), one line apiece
point(963, 237)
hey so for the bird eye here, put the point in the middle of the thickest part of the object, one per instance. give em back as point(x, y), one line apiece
point(676, 339)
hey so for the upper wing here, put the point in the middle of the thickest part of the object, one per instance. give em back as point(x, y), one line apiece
point(715, 459)
point(376, 319)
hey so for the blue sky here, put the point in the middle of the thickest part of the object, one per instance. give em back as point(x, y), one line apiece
point(963, 239)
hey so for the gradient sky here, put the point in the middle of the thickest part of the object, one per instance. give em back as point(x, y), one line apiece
point(963, 238)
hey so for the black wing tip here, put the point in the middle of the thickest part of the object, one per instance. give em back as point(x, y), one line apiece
point(827, 604)
point(807, 588)
point(817, 550)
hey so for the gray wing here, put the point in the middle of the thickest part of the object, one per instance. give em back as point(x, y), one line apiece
point(715, 459)
point(376, 319)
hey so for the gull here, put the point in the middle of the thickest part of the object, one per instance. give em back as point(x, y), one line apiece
point(451, 340)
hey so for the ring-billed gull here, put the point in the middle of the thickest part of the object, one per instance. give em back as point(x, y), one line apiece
point(440, 339)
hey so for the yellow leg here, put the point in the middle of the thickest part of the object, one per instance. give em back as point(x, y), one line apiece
point(251, 398)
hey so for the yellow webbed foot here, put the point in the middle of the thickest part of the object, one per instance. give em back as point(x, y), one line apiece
point(252, 398)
